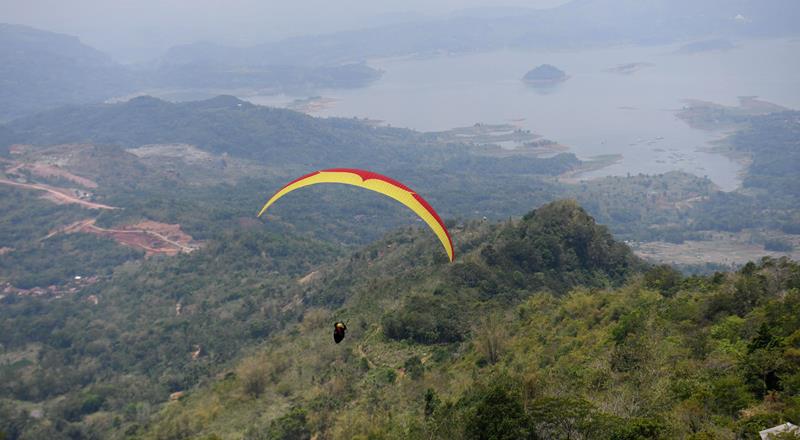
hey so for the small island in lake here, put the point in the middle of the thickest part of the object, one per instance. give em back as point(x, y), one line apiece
point(545, 75)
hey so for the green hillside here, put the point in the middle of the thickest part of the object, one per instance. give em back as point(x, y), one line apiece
point(249, 285)
point(435, 353)
point(544, 327)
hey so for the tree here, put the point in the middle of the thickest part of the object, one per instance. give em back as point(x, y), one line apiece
point(730, 394)
point(431, 402)
point(637, 429)
point(414, 368)
point(291, 426)
point(497, 414)
point(253, 375)
point(563, 418)
point(663, 278)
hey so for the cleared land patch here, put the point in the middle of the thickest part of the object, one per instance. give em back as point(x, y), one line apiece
point(51, 171)
point(723, 248)
point(152, 237)
point(57, 195)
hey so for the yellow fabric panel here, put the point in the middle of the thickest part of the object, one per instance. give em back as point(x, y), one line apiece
point(379, 186)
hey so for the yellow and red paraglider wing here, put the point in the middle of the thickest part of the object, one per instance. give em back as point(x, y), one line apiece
point(380, 184)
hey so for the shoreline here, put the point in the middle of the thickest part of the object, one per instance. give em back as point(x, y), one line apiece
point(744, 160)
point(593, 163)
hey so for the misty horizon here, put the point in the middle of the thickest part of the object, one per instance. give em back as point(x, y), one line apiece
point(140, 31)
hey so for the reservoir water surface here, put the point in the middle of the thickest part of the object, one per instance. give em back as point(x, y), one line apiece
point(596, 111)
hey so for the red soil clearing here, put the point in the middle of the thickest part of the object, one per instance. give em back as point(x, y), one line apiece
point(152, 237)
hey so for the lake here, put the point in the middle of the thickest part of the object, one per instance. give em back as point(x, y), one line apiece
point(596, 111)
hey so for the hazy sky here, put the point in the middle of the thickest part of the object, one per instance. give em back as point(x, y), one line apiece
point(138, 29)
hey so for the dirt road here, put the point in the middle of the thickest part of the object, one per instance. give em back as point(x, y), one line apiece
point(58, 194)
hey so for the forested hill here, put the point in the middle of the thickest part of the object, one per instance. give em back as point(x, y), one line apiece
point(221, 125)
point(556, 248)
point(499, 346)
point(42, 69)
point(274, 136)
point(773, 141)
point(95, 360)
point(770, 190)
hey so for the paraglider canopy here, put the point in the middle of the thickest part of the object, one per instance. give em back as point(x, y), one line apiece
point(378, 183)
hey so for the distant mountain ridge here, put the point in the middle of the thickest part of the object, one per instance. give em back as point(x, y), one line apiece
point(576, 24)
point(41, 69)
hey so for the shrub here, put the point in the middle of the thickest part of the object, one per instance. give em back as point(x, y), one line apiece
point(414, 368)
point(252, 373)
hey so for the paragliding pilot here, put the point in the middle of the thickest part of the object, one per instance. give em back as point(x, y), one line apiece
point(338, 331)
